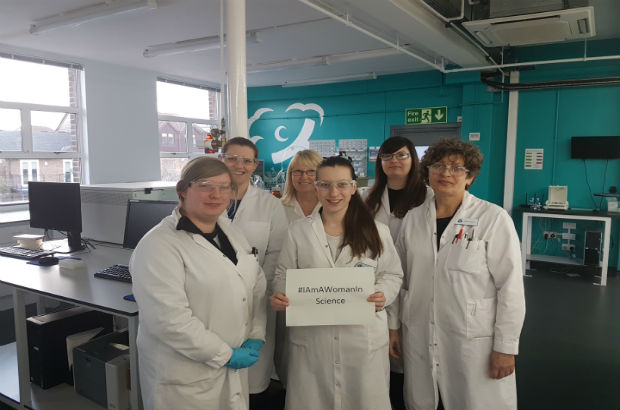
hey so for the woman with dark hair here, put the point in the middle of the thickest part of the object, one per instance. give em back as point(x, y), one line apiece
point(201, 294)
point(398, 183)
point(343, 367)
point(398, 188)
point(462, 305)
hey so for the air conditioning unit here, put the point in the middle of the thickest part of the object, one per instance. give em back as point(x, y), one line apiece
point(537, 28)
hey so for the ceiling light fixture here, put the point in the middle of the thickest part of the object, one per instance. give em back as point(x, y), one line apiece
point(188, 46)
point(339, 79)
point(323, 60)
point(81, 15)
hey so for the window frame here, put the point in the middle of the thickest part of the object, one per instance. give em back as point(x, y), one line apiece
point(27, 143)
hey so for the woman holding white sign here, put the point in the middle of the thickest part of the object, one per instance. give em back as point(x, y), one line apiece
point(340, 366)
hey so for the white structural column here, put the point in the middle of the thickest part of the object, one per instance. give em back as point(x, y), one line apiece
point(511, 144)
point(236, 70)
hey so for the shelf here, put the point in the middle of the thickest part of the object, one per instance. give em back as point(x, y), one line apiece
point(555, 259)
point(62, 396)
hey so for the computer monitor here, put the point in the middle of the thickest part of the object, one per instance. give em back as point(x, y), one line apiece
point(142, 215)
point(57, 206)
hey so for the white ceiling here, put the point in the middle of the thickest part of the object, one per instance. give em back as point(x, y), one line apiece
point(121, 39)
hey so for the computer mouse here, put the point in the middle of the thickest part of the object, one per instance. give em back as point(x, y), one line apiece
point(48, 261)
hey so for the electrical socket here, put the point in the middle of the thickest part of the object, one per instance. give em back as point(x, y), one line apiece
point(551, 235)
point(566, 247)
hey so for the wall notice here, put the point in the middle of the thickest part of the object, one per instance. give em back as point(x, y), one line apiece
point(533, 158)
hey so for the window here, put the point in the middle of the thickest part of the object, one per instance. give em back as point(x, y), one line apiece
point(30, 171)
point(40, 117)
point(186, 114)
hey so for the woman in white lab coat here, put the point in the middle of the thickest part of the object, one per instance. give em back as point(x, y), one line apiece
point(201, 296)
point(300, 198)
point(462, 305)
point(398, 183)
point(339, 367)
point(398, 188)
point(260, 216)
point(299, 201)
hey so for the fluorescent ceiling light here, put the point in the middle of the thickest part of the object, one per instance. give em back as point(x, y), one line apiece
point(192, 45)
point(323, 60)
point(78, 16)
point(340, 79)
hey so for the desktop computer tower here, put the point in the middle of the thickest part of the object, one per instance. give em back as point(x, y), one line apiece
point(47, 349)
point(592, 248)
point(101, 370)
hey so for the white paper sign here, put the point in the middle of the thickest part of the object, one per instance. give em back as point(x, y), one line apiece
point(329, 296)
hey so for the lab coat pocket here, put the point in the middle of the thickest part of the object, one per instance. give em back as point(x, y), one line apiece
point(481, 317)
point(366, 263)
point(257, 234)
point(467, 257)
point(378, 334)
point(248, 267)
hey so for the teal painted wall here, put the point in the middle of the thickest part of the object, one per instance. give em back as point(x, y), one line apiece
point(367, 109)
point(547, 119)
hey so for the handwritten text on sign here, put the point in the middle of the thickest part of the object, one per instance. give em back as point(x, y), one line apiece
point(329, 296)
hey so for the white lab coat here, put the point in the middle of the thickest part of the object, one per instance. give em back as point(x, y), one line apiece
point(262, 220)
point(458, 304)
point(293, 213)
point(338, 367)
point(195, 306)
point(384, 215)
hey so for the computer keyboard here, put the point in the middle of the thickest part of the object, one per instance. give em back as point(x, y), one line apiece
point(23, 253)
point(115, 272)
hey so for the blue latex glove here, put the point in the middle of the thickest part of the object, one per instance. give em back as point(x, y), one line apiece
point(242, 357)
point(254, 344)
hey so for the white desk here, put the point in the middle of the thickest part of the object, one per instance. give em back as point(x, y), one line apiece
point(78, 288)
point(526, 233)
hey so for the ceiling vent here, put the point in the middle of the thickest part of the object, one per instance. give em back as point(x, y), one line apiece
point(537, 28)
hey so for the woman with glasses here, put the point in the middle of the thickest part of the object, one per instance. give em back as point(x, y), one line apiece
point(344, 367)
point(398, 188)
point(299, 201)
point(201, 294)
point(462, 305)
point(260, 216)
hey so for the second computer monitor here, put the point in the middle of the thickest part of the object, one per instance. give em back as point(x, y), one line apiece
point(142, 215)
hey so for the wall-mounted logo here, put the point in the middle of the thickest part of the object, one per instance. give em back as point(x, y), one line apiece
point(301, 141)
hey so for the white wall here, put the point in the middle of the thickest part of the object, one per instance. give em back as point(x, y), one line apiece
point(121, 112)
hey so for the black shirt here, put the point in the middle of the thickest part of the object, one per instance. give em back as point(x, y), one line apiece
point(232, 208)
point(442, 224)
point(185, 224)
point(394, 196)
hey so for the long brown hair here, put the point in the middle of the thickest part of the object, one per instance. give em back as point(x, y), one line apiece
point(360, 231)
point(415, 189)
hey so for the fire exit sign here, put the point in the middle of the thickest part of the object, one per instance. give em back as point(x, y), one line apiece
point(428, 115)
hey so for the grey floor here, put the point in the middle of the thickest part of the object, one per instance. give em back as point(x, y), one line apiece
point(570, 345)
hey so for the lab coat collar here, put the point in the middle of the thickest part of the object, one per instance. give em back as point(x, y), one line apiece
point(321, 236)
point(249, 196)
point(431, 216)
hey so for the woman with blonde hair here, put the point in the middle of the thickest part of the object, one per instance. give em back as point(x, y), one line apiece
point(300, 199)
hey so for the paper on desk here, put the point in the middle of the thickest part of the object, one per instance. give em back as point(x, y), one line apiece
point(78, 339)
